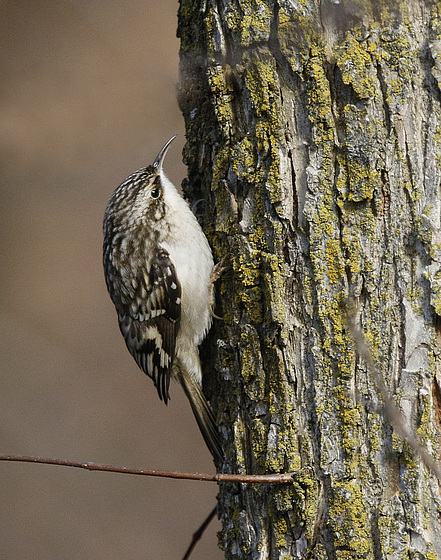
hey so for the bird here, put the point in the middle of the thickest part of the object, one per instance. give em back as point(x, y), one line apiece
point(159, 273)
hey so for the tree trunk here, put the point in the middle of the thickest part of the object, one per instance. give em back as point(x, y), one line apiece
point(314, 140)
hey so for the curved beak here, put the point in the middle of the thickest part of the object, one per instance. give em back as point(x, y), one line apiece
point(157, 164)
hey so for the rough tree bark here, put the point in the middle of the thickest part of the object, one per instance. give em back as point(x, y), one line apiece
point(314, 140)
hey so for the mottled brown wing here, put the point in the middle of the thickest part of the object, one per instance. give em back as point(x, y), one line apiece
point(150, 323)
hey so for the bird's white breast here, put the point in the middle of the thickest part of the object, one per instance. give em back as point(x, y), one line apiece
point(190, 253)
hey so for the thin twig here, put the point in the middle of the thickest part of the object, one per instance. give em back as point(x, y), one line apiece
point(283, 478)
point(198, 534)
point(390, 410)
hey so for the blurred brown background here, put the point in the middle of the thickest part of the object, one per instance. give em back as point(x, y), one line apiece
point(87, 95)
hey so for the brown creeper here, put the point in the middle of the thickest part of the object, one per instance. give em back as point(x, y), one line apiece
point(158, 266)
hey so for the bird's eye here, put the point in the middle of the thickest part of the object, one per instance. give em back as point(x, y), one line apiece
point(154, 193)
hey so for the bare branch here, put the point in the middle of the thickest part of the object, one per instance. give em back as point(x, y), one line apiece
point(283, 478)
point(390, 411)
point(198, 534)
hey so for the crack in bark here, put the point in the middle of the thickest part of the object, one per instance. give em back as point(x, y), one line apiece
point(386, 108)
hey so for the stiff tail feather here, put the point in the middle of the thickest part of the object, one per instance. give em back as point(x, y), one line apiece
point(204, 416)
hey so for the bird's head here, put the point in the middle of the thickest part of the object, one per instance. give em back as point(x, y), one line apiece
point(139, 200)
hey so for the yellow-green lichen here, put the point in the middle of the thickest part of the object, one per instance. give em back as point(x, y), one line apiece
point(426, 431)
point(359, 179)
point(349, 521)
point(217, 76)
point(319, 100)
point(249, 23)
point(435, 295)
point(333, 257)
point(355, 62)
point(349, 194)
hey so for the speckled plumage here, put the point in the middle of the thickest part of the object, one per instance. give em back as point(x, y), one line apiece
point(157, 265)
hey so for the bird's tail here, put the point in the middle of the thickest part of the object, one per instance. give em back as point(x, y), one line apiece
point(203, 414)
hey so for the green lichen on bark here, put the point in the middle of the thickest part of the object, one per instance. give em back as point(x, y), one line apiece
point(309, 130)
point(349, 516)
